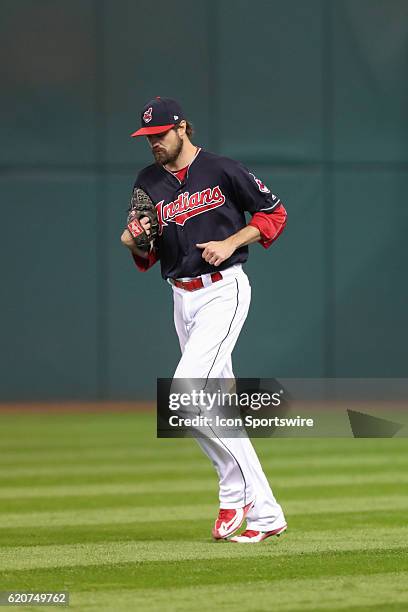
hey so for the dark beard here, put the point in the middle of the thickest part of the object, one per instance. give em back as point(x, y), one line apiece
point(168, 157)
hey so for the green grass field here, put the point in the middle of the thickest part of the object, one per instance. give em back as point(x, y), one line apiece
point(96, 505)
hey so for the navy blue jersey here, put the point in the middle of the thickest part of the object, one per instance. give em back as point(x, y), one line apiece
point(209, 204)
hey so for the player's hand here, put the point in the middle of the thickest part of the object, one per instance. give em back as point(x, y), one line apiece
point(126, 237)
point(145, 223)
point(216, 251)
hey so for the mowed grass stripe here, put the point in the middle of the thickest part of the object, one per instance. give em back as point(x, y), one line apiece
point(205, 474)
point(296, 594)
point(185, 485)
point(129, 514)
point(324, 541)
point(71, 439)
point(188, 529)
point(175, 498)
point(184, 573)
point(109, 448)
point(104, 452)
point(202, 465)
point(128, 460)
point(77, 428)
point(158, 457)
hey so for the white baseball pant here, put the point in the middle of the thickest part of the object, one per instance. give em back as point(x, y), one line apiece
point(208, 322)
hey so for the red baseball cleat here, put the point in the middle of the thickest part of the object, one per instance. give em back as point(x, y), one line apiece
point(229, 521)
point(250, 536)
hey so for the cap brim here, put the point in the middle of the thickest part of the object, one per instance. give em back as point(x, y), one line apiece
point(154, 129)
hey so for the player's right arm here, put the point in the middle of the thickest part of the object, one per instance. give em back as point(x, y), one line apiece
point(143, 260)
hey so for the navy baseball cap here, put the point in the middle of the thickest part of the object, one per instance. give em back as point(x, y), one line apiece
point(159, 115)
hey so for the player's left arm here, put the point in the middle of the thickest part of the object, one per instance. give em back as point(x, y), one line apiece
point(268, 212)
point(217, 251)
point(267, 222)
point(270, 225)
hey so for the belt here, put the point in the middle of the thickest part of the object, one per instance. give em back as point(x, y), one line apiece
point(195, 283)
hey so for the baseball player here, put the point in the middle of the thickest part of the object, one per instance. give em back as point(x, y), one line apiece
point(201, 199)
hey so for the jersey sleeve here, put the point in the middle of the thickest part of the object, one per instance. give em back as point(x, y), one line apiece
point(253, 196)
point(143, 264)
point(270, 226)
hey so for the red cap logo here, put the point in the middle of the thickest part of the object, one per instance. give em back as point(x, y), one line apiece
point(147, 115)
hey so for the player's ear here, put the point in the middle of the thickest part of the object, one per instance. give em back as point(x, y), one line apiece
point(182, 126)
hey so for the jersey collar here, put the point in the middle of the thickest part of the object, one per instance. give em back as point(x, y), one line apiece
point(188, 167)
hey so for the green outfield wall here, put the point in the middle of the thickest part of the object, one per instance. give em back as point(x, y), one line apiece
point(312, 95)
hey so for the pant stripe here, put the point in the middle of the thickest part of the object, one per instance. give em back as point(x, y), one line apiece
point(226, 336)
point(208, 375)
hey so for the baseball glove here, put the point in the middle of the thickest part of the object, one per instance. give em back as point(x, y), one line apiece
point(142, 206)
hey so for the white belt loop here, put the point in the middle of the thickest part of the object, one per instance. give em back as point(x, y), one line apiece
point(206, 278)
